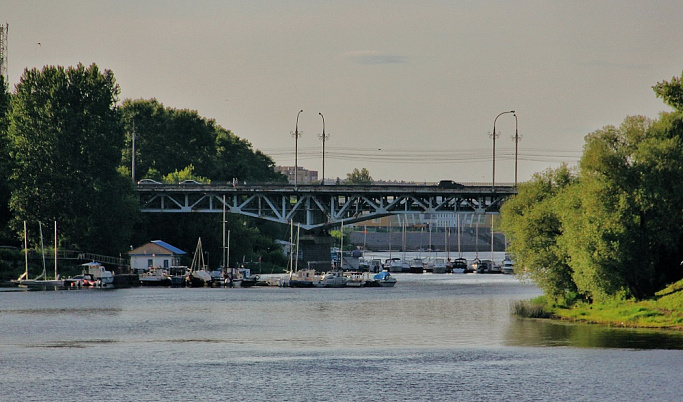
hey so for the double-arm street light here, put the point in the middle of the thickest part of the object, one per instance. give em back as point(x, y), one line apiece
point(516, 138)
point(296, 134)
point(323, 137)
point(494, 135)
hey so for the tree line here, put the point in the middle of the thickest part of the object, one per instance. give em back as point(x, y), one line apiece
point(611, 226)
point(66, 155)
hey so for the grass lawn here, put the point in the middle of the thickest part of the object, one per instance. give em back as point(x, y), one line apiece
point(665, 310)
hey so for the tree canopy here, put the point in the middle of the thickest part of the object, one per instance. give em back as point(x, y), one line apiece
point(359, 177)
point(65, 141)
point(65, 155)
point(612, 227)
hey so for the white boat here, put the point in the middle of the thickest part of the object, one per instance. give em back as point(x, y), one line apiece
point(359, 279)
point(332, 279)
point(385, 279)
point(155, 277)
point(508, 266)
point(417, 266)
point(375, 265)
point(199, 275)
point(438, 266)
point(397, 265)
point(99, 273)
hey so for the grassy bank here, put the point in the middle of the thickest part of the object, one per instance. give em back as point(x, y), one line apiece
point(665, 310)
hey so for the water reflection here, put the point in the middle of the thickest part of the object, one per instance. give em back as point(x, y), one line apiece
point(528, 332)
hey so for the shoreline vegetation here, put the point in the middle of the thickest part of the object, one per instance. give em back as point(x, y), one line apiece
point(664, 311)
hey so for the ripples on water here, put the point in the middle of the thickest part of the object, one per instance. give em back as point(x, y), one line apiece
point(432, 337)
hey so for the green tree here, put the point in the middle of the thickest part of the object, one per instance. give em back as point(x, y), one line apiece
point(532, 222)
point(185, 174)
point(169, 140)
point(65, 144)
point(629, 209)
point(359, 177)
point(5, 166)
point(671, 92)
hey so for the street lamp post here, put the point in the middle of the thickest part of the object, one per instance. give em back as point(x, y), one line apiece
point(296, 134)
point(493, 178)
point(323, 137)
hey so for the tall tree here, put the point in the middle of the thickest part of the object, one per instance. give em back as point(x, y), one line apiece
point(5, 214)
point(532, 221)
point(359, 176)
point(671, 92)
point(65, 143)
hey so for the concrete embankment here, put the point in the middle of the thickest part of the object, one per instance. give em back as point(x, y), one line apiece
point(471, 240)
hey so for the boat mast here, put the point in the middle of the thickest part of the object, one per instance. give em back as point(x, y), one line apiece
point(42, 247)
point(25, 251)
point(459, 253)
point(296, 262)
point(291, 247)
point(56, 250)
point(341, 248)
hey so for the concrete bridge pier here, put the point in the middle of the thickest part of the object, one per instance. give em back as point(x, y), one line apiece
point(314, 250)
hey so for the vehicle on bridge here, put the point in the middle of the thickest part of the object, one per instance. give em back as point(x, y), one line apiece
point(450, 184)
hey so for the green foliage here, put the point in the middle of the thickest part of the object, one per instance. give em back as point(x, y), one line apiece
point(65, 142)
point(359, 177)
point(671, 92)
point(169, 140)
point(612, 228)
point(5, 164)
point(532, 221)
point(182, 175)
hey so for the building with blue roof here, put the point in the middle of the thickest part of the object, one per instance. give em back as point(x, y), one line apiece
point(155, 254)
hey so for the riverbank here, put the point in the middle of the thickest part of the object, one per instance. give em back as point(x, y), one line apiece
point(664, 311)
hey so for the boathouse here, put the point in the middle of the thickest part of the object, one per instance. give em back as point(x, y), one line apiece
point(156, 253)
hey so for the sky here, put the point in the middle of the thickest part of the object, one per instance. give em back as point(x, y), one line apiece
point(409, 90)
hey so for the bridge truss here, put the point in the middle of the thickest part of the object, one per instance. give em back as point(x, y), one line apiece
point(321, 207)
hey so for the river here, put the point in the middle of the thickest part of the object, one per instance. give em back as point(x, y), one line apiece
point(432, 337)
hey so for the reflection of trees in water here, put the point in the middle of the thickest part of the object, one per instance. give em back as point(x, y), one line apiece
point(531, 332)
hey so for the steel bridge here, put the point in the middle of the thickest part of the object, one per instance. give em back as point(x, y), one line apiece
point(322, 206)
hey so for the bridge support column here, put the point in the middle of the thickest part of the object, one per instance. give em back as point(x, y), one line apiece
point(315, 251)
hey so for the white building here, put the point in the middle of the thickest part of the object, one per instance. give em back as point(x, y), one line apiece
point(156, 253)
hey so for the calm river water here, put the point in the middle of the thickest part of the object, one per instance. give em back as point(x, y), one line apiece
point(432, 337)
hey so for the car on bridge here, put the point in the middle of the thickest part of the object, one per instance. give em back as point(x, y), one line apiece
point(450, 184)
point(148, 182)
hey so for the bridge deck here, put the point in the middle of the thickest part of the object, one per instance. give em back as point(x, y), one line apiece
point(320, 206)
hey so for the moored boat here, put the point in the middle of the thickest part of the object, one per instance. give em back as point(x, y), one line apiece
point(438, 266)
point(385, 279)
point(417, 266)
point(155, 277)
point(459, 265)
point(508, 266)
point(99, 273)
point(332, 279)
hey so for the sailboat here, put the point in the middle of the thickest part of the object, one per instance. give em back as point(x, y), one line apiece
point(460, 263)
point(41, 280)
point(198, 276)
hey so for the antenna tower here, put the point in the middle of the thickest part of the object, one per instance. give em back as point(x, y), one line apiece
point(4, 29)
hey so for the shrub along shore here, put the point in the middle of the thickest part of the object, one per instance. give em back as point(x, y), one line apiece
point(664, 311)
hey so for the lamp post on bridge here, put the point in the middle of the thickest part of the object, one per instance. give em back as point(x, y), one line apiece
point(323, 137)
point(493, 135)
point(296, 134)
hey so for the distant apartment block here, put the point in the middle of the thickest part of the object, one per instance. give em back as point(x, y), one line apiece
point(304, 176)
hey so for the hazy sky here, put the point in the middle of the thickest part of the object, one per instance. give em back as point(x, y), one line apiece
point(408, 89)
